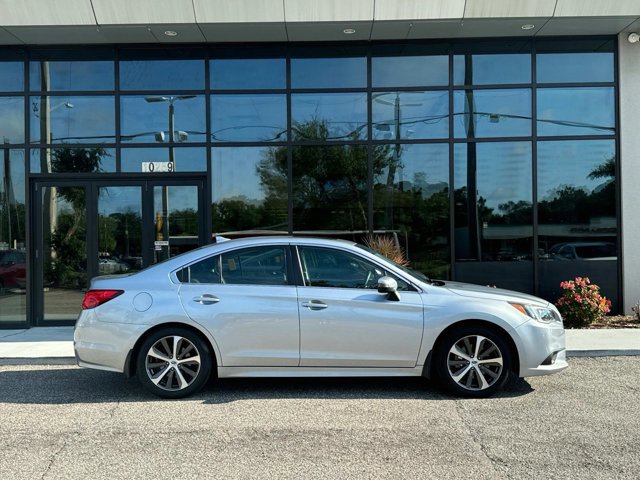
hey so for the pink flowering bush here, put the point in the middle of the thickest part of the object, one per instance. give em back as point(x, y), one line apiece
point(581, 303)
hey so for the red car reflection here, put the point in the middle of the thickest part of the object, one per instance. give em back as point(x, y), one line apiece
point(13, 269)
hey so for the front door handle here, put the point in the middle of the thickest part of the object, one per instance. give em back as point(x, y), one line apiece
point(206, 299)
point(315, 305)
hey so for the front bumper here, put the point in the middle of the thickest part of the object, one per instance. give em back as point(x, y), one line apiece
point(102, 345)
point(543, 349)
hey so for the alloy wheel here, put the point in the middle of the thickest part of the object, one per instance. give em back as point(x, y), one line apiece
point(475, 363)
point(173, 363)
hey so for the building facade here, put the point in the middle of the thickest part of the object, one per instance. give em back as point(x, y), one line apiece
point(494, 141)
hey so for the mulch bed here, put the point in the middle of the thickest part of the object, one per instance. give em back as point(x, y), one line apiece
point(617, 321)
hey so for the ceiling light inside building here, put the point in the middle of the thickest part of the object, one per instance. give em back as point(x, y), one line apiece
point(528, 26)
point(349, 31)
point(171, 33)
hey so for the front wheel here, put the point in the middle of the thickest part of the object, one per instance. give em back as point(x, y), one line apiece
point(173, 363)
point(473, 361)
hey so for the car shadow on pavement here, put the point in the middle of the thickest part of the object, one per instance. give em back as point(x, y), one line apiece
point(60, 385)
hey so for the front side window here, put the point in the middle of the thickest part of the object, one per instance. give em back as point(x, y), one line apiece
point(326, 267)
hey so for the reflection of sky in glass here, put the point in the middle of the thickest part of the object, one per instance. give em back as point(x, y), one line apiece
point(243, 118)
point(75, 119)
point(120, 200)
point(344, 113)
point(12, 119)
point(503, 171)
point(499, 113)
point(422, 115)
point(329, 72)
point(245, 73)
point(187, 159)
point(569, 162)
point(422, 167)
point(494, 69)
point(181, 197)
point(141, 120)
point(11, 76)
point(234, 173)
point(576, 111)
point(162, 75)
point(574, 67)
point(75, 75)
point(16, 161)
point(410, 71)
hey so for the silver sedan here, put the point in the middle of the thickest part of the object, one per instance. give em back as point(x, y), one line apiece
point(306, 307)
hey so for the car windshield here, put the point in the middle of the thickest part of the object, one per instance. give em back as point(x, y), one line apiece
point(414, 273)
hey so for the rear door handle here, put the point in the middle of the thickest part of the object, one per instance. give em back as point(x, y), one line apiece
point(206, 299)
point(315, 305)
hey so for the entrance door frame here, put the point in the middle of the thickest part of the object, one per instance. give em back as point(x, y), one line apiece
point(92, 187)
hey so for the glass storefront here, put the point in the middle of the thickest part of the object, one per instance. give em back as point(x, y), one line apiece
point(488, 162)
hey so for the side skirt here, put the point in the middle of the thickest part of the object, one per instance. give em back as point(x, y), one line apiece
point(229, 372)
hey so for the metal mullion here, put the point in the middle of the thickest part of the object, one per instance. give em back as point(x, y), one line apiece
point(262, 91)
point(246, 144)
point(208, 186)
point(618, 183)
point(412, 141)
point(158, 145)
point(576, 84)
point(30, 264)
point(370, 219)
point(116, 85)
point(145, 93)
point(510, 86)
point(70, 93)
point(534, 171)
point(452, 227)
point(320, 143)
point(425, 88)
point(492, 139)
point(547, 138)
point(289, 144)
point(328, 90)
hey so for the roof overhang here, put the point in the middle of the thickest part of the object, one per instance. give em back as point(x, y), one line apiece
point(36, 22)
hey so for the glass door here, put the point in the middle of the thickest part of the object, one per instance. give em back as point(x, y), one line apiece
point(61, 253)
point(94, 228)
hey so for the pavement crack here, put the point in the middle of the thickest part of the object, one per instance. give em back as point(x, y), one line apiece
point(499, 465)
point(12, 334)
point(53, 458)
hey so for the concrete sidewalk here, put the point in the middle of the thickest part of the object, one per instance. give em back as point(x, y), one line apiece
point(54, 345)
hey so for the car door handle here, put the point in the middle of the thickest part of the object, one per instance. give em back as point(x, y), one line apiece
point(315, 305)
point(206, 299)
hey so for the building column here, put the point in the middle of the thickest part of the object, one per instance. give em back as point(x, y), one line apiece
point(629, 77)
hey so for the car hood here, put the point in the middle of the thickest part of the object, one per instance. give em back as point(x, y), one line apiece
point(489, 293)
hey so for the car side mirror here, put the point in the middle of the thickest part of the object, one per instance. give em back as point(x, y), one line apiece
point(389, 286)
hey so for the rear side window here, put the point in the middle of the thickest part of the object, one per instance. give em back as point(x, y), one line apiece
point(204, 271)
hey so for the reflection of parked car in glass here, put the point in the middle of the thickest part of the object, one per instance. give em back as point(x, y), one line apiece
point(111, 265)
point(13, 269)
point(586, 251)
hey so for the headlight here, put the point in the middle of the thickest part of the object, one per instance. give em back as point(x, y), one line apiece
point(541, 314)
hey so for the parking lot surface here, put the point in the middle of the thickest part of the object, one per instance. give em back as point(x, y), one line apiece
point(66, 422)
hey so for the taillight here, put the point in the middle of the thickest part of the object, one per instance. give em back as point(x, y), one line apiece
point(93, 298)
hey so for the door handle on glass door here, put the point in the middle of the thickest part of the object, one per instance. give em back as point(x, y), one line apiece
point(206, 299)
point(315, 305)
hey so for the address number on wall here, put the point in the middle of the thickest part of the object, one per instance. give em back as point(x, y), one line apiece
point(155, 167)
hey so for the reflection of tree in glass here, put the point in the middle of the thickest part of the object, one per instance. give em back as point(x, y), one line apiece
point(330, 181)
point(574, 204)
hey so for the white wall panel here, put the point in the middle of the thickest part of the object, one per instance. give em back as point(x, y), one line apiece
point(509, 8)
point(239, 11)
point(46, 12)
point(629, 71)
point(127, 12)
point(418, 9)
point(328, 10)
point(594, 8)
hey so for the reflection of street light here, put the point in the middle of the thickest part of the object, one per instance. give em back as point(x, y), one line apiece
point(181, 137)
point(395, 162)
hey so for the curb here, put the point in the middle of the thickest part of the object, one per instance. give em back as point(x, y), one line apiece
point(38, 361)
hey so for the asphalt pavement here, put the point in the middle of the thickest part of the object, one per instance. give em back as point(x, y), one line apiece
point(65, 422)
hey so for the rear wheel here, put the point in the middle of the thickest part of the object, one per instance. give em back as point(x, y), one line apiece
point(173, 363)
point(473, 361)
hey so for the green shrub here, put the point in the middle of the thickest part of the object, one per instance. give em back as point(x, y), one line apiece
point(581, 303)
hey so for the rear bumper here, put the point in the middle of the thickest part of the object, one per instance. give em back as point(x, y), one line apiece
point(101, 345)
point(543, 349)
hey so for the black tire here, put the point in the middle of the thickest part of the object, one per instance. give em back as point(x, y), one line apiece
point(467, 374)
point(177, 375)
